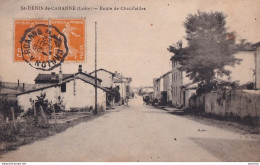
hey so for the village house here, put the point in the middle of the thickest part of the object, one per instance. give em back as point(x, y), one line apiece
point(73, 91)
point(184, 88)
point(179, 80)
point(158, 87)
point(106, 76)
point(114, 80)
point(44, 80)
point(123, 83)
point(167, 88)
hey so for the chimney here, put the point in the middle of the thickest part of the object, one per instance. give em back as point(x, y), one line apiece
point(18, 84)
point(23, 87)
point(53, 77)
point(60, 76)
point(80, 68)
point(116, 73)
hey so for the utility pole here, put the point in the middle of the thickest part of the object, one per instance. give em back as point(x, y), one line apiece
point(123, 101)
point(95, 111)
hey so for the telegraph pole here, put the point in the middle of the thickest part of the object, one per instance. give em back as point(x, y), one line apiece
point(95, 111)
point(123, 102)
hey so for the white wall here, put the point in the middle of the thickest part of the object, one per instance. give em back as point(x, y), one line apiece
point(167, 85)
point(84, 96)
point(186, 80)
point(157, 89)
point(107, 78)
point(51, 95)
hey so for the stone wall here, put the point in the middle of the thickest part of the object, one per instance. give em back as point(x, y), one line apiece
point(233, 102)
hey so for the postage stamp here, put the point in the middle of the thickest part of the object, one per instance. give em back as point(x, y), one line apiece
point(45, 44)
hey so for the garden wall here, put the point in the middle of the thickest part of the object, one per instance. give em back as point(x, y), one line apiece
point(233, 102)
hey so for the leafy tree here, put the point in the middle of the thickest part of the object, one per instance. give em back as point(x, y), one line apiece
point(210, 47)
point(114, 94)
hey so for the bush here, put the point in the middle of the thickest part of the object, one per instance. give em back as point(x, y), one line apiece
point(7, 133)
point(5, 106)
point(84, 109)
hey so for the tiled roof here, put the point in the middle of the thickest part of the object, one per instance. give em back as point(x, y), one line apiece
point(48, 77)
point(68, 80)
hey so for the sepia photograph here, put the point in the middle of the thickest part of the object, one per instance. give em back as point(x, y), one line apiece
point(130, 81)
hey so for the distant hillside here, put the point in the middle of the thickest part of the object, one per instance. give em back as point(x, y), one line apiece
point(21, 87)
point(10, 89)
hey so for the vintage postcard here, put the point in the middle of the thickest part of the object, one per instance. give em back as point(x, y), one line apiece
point(130, 81)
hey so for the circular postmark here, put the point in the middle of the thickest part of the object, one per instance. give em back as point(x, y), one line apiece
point(44, 47)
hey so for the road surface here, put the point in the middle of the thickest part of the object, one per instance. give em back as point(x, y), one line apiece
point(140, 133)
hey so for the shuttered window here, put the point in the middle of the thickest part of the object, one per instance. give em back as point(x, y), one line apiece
point(63, 87)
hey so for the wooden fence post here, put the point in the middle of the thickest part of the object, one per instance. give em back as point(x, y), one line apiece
point(34, 109)
point(12, 110)
point(54, 115)
point(44, 118)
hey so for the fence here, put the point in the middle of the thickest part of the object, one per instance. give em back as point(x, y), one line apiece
point(234, 102)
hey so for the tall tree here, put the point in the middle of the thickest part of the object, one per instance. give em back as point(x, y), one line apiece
point(210, 47)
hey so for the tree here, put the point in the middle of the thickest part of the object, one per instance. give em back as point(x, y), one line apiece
point(210, 47)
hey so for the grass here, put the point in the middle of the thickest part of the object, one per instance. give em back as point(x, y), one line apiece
point(28, 132)
point(245, 124)
point(247, 120)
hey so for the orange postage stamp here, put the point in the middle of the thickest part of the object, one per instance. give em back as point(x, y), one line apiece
point(45, 44)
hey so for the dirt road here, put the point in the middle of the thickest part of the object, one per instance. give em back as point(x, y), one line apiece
point(140, 133)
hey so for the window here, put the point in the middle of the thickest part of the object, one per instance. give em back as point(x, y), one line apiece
point(63, 87)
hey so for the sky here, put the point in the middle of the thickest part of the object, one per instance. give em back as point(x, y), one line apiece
point(133, 43)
